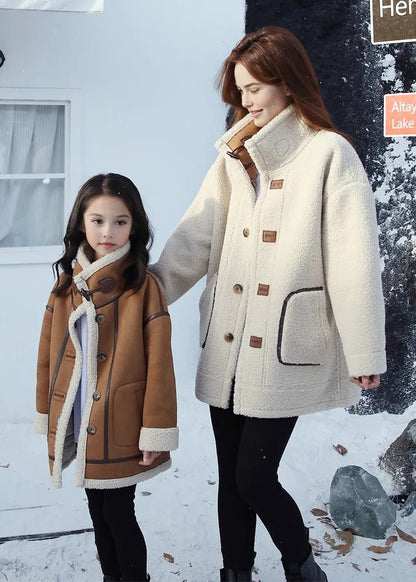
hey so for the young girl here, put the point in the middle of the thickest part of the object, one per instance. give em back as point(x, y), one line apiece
point(106, 388)
point(284, 228)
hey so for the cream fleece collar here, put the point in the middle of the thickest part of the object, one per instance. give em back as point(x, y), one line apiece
point(89, 269)
point(275, 144)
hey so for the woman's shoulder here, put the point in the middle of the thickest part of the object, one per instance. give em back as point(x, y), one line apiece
point(333, 140)
point(340, 160)
point(337, 149)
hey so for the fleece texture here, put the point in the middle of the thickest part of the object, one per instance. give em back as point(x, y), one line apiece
point(293, 303)
point(130, 402)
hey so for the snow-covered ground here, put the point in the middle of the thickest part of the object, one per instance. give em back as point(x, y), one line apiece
point(178, 518)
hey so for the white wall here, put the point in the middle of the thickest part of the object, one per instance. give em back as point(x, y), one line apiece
point(146, 72)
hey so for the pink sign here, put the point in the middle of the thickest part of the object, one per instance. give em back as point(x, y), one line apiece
point(400, 114)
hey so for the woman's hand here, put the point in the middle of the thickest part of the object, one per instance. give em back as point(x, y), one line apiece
point(366, 382)
point(148, 457)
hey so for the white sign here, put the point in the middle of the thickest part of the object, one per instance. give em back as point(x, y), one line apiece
point(55, 5)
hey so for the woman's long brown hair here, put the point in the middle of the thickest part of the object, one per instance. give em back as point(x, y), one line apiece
point(274, 56)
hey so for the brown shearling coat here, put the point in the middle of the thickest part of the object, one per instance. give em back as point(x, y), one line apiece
point(130, 401)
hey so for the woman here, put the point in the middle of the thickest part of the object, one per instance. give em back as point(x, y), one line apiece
point(292, 316)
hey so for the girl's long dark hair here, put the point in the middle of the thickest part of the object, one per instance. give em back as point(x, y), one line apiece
point(141, 236)
point(274, 56)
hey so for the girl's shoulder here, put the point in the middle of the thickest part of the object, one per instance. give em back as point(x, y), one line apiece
point(154, 295)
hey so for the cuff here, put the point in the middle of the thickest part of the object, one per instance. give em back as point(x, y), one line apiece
point(41, 423)
point(158, 439)
point(367, 364)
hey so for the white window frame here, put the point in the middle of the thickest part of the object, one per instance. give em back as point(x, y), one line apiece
point(70, 98)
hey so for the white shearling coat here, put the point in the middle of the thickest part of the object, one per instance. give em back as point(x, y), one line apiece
point(293, 304)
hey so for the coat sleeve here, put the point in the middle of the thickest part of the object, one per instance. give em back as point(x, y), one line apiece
point(186, 256)
point(43, 366)
point(352, 263)
point(159, 431)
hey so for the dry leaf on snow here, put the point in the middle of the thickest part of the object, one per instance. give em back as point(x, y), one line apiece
point(405, 536)
point(168, 557)
point(379, 549)
point(384, 549)
point(317, 547)
point(344, 536)
point(348, 539)
point(327, 521)
point(390, 540)
point(329, 540)
point(318, 512)
point(340, 449)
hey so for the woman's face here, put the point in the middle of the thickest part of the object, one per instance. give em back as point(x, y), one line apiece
point(262, 100)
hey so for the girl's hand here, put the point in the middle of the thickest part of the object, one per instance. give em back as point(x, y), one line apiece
point(148, 457)
point(367, 382)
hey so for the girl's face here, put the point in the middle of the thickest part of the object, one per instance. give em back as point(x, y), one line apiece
point(107, 224)
point(262, 100)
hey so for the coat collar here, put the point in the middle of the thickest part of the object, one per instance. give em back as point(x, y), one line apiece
point(272, 146)
point(100, 280)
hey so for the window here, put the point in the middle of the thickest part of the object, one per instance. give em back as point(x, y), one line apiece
point(34, 177)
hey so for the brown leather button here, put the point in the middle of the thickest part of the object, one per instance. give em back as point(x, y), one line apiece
point(238, 288)
point(269, 236)
point(99, 318)
point(96, 395)
point(228, 337)
point(255, 342)
point(246, 232)
point(263, 289)
point(101, 357)
point(276, 184)
point(91, 429)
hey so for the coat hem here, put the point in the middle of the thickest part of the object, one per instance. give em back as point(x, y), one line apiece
point(125, 481)
point(297, 410)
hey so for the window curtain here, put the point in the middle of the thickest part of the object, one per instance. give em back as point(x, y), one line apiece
point(32, 142)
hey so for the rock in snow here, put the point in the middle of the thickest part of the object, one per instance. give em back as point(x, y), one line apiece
point(410, 505)
point(358, 501)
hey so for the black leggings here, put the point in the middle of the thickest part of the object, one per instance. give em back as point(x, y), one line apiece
point(249, 452)
point(118, 537)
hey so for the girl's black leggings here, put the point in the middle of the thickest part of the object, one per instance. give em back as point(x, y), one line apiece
point(249, 452)
point(118, 537)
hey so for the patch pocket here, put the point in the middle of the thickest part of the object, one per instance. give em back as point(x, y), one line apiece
point(127, 413)
point(303, 328)
point(206, 307)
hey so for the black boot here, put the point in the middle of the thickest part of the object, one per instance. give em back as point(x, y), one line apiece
point(228, 575)
point(308, 571)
